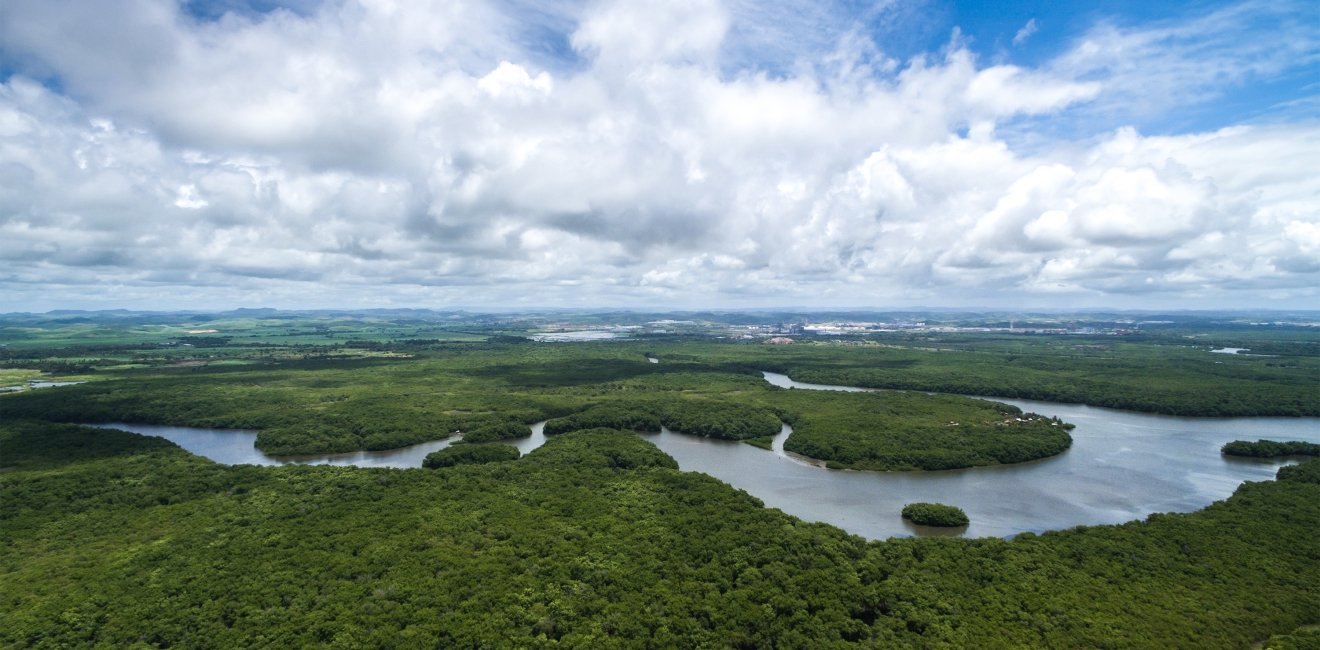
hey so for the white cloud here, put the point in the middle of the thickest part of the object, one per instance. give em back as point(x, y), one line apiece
point(513, 80)
point(623, 35)
point(1145, 71)
point(187, 198)
point(371, 152)
point(1026, 32)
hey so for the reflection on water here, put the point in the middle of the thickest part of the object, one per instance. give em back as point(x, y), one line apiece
point(1122, 466)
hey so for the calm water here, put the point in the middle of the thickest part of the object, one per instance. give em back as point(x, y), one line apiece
point(1122, 466)
point(235, 447)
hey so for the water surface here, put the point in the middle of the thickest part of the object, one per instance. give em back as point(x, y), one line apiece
point(235, 447)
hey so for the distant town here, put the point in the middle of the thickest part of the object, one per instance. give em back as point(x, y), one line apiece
point(785, 331)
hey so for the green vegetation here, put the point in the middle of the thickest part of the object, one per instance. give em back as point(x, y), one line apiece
point(1169, 374)
point(693, 416)
point(596, 539)
point(470, 455)
point(610, 416)
point(118, 540)
point(604, 448)
point(1308, 472)
point(1270, 448)
point(17, 376)
point(436, 387)
point(935, 514)
point(1304, 638)
point(313, 406)
point(1148, 378)
point(905, 431)
point(497, 431)
point(333, 382)
point(719, 419)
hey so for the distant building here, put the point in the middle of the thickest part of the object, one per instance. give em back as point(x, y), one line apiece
point(779, 340)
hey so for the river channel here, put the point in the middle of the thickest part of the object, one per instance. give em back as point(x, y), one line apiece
point(1122, 466)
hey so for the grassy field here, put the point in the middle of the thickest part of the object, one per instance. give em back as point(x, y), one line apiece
point(17, 376)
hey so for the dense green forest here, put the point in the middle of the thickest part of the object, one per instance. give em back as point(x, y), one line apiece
point(595, 539)
point(1308, 472)
point(497, 431)
point(693, 416)
point(1307, 638)
point(308, 391)
point(470, 455)
point(1155, 384)
point(895, 430)
point(1271, 448)
point(491, 391)
point(935, 514)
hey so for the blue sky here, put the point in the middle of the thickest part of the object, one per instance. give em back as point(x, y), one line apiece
point(693, 153)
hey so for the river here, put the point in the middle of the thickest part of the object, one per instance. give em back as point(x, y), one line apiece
point(1122, 466)
point(237, 447)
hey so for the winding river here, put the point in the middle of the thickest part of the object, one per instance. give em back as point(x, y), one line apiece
point(237, 447)
point(1122, 466)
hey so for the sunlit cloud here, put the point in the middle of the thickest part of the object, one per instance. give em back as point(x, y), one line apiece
point(483, 154)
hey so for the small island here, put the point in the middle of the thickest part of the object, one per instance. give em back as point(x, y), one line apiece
point(935, 514)
point(1270, 448)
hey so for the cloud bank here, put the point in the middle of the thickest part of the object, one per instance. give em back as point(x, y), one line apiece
point(370, 153)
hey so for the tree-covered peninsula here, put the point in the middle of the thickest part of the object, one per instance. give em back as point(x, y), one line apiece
point(1270, 448)
point(470, 455)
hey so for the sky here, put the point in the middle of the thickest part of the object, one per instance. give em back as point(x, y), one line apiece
point(514, 154)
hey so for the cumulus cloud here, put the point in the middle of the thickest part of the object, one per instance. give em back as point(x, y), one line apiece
point(364, 152)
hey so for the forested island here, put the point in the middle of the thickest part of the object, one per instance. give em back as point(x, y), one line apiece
point(935, 514)
point(1270, 448)
point(597, 538)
